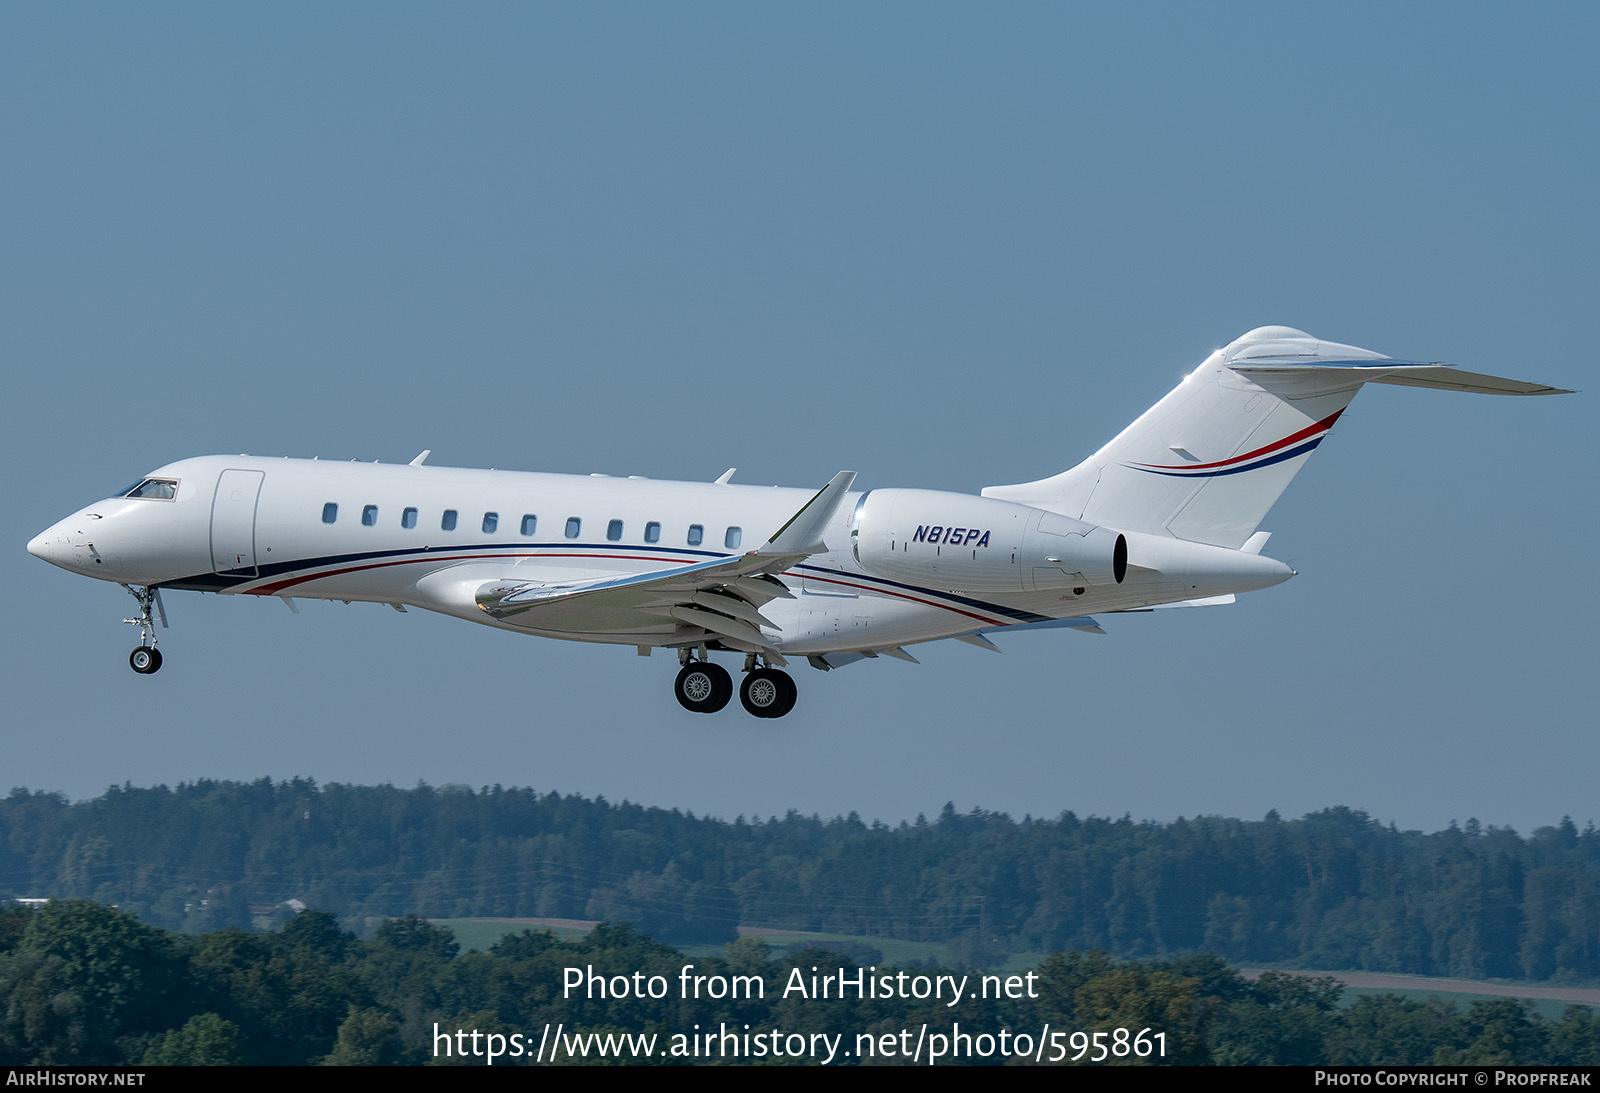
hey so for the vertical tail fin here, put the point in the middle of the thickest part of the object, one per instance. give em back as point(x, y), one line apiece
point(1207, 462)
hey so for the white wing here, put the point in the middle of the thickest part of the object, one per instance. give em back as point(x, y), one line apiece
point(721, 597)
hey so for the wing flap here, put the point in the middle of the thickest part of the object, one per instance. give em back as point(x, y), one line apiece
point(732, 605)
point(739, 631)
point(505, 599)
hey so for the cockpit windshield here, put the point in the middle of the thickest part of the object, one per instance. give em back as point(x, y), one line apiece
point(154, 489)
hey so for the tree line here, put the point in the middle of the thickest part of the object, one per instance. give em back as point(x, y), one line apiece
point(82, 983)
point(1333, 889)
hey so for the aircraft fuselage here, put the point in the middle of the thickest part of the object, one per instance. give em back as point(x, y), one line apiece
point(425, 537)
point(1166, 513)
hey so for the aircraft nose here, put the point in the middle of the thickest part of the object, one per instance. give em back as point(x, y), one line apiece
point(46, 545)
point(54, 544)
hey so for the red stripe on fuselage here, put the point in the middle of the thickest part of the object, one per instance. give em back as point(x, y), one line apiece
point(277, 587)
point(1310, 430)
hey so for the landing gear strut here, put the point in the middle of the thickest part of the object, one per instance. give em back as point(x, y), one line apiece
point(146, 659)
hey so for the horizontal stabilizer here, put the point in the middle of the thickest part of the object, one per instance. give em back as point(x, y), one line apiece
point(1207, 462)
point(1438, 377)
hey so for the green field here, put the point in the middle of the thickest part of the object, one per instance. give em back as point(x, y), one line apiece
point(1548, 1008)
point(475, 934)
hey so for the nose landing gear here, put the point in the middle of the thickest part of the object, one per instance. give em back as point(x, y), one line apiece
point(146, 659)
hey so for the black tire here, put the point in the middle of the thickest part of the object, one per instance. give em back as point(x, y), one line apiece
point(767, 692)
point(145, 660)
point(790, 693)
point(703, 687)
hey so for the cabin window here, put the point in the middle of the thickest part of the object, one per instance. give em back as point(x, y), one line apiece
point(652, 532)
point(153, 489)
point(614, 531)
point(369, 516)
point(697, 534)
point(408, 518)
point(330, 512)
point(574, 525)
point(529, 522)
point(491, 520)
point(449, 521)
point(732, 538)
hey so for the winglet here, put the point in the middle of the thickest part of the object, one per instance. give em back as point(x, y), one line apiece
point(422, 457)
point(803, 532)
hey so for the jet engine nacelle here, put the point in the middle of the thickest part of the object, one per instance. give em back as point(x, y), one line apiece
point(975, 544)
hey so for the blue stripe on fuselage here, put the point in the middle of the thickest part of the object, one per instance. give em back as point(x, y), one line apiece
point(217, 582)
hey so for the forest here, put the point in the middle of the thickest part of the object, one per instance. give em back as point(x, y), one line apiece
point(82, 983)
point(1332, 889)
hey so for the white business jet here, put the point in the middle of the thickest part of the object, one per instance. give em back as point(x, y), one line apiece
point(1164, 515)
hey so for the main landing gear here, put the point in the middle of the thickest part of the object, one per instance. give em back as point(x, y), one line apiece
point(704, 687)
point(767, 692)
point(146, 659)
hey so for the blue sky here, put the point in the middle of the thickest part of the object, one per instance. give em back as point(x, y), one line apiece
point(945, 246)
